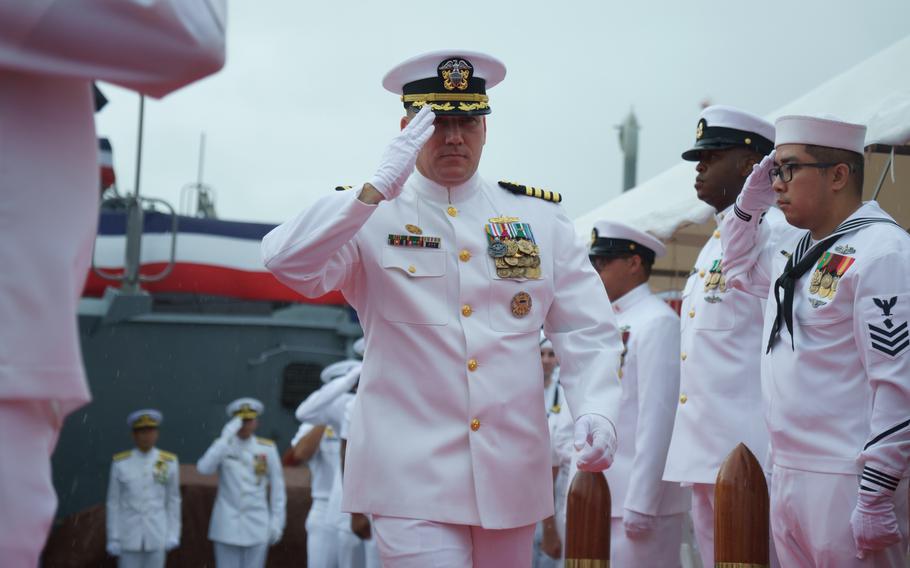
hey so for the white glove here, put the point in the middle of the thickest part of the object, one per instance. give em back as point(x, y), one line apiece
point(597, 436)
point(171, 544)
point(274, 535)
point(637, 524)
point(231, 428)
point(113, 548)
point(874, 523)
point(401, 155)
point(757, 195)
point(310, 410)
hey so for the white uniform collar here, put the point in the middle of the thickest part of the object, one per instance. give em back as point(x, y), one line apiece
point(632, 297)
point(719, 216)
point(436, 193)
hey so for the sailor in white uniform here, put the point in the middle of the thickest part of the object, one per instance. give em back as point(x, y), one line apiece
point(249, 513)
point(720, 393)
point(50, 52)
point(452, 278)
point(836, 369)
point(143, 498)
point(648, 513)
point(327, 406)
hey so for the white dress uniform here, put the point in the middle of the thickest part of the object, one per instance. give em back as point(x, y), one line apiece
point(250, 502)
point(650, 378)
point(837, 387)
point(322, 543)
point(720, 387)
point(50, 50)
point(839, 398)
point(554, 400)
point(143, 506)
point(448, 425)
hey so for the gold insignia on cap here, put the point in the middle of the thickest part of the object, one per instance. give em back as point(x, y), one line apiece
point(593, 237)
point(521, 304)
point(455, 74)
point(700, 129)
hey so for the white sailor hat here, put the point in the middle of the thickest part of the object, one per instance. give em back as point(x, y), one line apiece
point(145, 418)
point(453, 82)
point(545, 341)
point(338, 369)
point(721, 127)
point(246, 408)
point(821, 131)
point(612, 238)
point(359, 347)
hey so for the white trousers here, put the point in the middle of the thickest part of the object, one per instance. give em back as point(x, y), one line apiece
point(371, 554)
point(539, 559)
point(230, 556)
point(703, 521)
point(141, 559)
point(321, 537)
point(28, 434)
point(350, 549)
point(412, 543)
point(810, 520)
point(660, 547)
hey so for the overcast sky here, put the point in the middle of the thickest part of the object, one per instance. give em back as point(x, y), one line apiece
point(299, 107)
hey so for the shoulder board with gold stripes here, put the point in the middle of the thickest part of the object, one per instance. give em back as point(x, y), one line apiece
point(530, 191)
point(167, 456)
point(120, 456)
point(265, 441)
point(343, 187)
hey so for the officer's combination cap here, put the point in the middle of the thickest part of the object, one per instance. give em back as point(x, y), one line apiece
point(452, 82)
point(246, 408)
point(821, 131)
point(612, 238)
point(721, 127)
point(145, 418)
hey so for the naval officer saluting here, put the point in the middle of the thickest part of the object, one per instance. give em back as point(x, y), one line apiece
point(452, 277)
point(143, 498)
point(249, 511)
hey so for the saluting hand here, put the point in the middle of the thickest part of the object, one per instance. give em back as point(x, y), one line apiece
point(595, 438)
point(757, 194)
point(401, 155)
point(231, 428)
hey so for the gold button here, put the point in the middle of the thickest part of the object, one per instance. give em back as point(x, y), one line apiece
point(691, 313)
point(701, 273)
point(475, 425)
point(717, 234)
point(683, 398)
point(683, 356)
point(466, 311)
point(412, 269)
point(452, 211)
point(464, 255)
point(472, 364)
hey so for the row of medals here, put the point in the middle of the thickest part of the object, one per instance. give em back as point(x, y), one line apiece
point(823, 284)
point(515, 258)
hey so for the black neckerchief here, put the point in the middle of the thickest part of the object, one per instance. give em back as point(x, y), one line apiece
point(802, 259)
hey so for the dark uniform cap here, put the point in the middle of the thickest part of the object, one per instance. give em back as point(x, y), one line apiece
point(611, 238)
point(721, 127)
point(453, 82)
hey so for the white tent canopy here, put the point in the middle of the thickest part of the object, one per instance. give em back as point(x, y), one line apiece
point(875, 92)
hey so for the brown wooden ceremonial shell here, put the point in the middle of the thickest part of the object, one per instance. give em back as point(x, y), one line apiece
point(741, 512)
point(588, 522)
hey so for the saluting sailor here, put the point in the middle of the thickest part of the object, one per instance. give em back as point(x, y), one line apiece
point(143, 498)
point(249, 511)
point(720, 390)
point(452, 277)
point(836, 374)
point(648, 513)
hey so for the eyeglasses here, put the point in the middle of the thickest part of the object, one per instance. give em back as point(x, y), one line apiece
point(784, 172)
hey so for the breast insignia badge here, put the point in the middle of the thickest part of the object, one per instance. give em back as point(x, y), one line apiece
point(521, 304)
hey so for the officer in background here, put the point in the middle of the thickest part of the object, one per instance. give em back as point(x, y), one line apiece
point(836, 370)
point(648, 513)
point(143, 498)
point(452, 278)
point(720, 391)
point(249, 511)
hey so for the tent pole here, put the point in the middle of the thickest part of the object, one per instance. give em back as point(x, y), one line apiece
point(881, 179)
